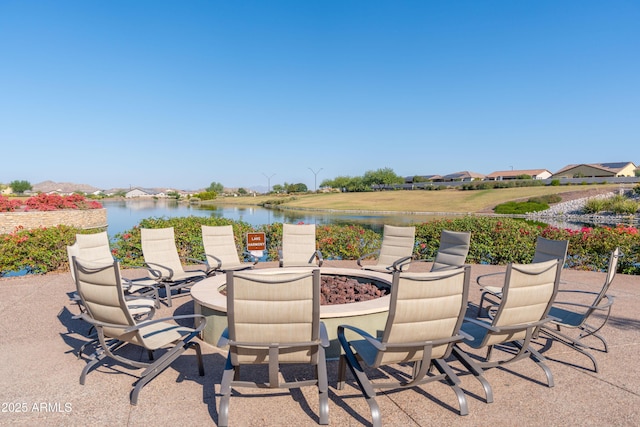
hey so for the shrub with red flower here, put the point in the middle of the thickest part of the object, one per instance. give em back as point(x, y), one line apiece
point(8, 205)
point(52, 202)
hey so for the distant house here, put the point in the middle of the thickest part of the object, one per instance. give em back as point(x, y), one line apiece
point(420, 178)
point(597, 170)
point(142, 192)
point(464, 176)
point(516, 174)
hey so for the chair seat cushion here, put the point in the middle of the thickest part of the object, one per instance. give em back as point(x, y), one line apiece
point(567, 318)
point(161, 334)
point(366, 351)
point(476, 331)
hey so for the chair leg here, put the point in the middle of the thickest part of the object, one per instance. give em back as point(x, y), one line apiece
point(323, 388)
point(454, 382)
point(539, 359)
point(157, 368)
point(225, 391)
point(475, 370)
point(365, 387)
point(569, 342)
point(97, 358)
point(342, 372)
point(167, 291)
point(198, 349)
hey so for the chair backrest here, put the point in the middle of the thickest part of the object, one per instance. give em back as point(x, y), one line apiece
point(527, 295)
point(424, 307)
point(93, 248)
point(100, 288)
point(453, 250)
point(611, 274)
point(547, 249)
point(298, 244)
point(160, 251)
point(397, 243)
point(273, 307)
point(220, 246)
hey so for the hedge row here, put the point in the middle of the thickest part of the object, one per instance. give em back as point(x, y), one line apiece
point(493, 241)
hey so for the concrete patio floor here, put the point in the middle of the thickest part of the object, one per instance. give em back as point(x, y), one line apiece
point(39, 374)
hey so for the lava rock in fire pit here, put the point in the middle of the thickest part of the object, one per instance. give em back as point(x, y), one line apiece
point(344, 290)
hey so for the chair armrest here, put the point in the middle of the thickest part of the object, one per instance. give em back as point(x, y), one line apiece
point(252, 257)
point(524, 326)
point(482, 277)
point(324, 336)
point(399, 264)
point(218, 260)
point(280, 258)
point(481, 324)
point(609, 302)
point(157, 274)
point(366, 256)
point(364, 334)
point(318, 256)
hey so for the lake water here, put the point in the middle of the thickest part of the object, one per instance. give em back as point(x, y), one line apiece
point(124, 214)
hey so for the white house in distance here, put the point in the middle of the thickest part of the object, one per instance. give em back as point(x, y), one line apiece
point(597, 170)
point(515, 174)
point(143, 192)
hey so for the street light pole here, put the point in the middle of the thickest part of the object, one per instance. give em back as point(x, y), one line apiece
point(268, 181)
point(315, 178)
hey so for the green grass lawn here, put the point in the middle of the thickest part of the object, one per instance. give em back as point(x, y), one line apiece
point(450, 200)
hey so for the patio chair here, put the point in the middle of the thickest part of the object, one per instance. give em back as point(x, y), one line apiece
point(299, 246)
point(528, 291)
point(141, 295)
point(163, 262)
point(100, 288)
point(96, 248)
point(546, 250)
point(453, 250)
point(274, 319)
point(425, 314)
point(574, 315)
point(221, 251)
point(395, 251)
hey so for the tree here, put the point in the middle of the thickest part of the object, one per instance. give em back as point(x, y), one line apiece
point(296, 188)
point(20, 186)
point(384, 176)
point(215, 187)
point(242, 191)
point(277, 188)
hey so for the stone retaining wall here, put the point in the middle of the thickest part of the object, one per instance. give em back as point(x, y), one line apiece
point(90, 218)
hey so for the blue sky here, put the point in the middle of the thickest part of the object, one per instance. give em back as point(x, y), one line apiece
point(184, 93)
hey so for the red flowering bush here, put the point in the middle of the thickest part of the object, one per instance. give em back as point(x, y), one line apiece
point(53, 202)
point(8, 205)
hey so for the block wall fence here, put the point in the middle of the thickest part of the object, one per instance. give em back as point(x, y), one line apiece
point(90, 218)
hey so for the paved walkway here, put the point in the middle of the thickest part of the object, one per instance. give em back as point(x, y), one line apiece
point(39, 374)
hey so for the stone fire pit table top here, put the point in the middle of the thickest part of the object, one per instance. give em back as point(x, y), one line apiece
point(207, 292)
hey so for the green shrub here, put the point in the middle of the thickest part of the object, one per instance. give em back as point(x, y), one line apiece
point(555, 182)
point(493, 241)
point(548, 199)
point(37, 251)
point(519, 208)
point(593, 206)
point(127, 247)
point(617, 204)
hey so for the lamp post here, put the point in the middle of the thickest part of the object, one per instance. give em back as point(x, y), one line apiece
point(268, 181)
point(315, 178)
